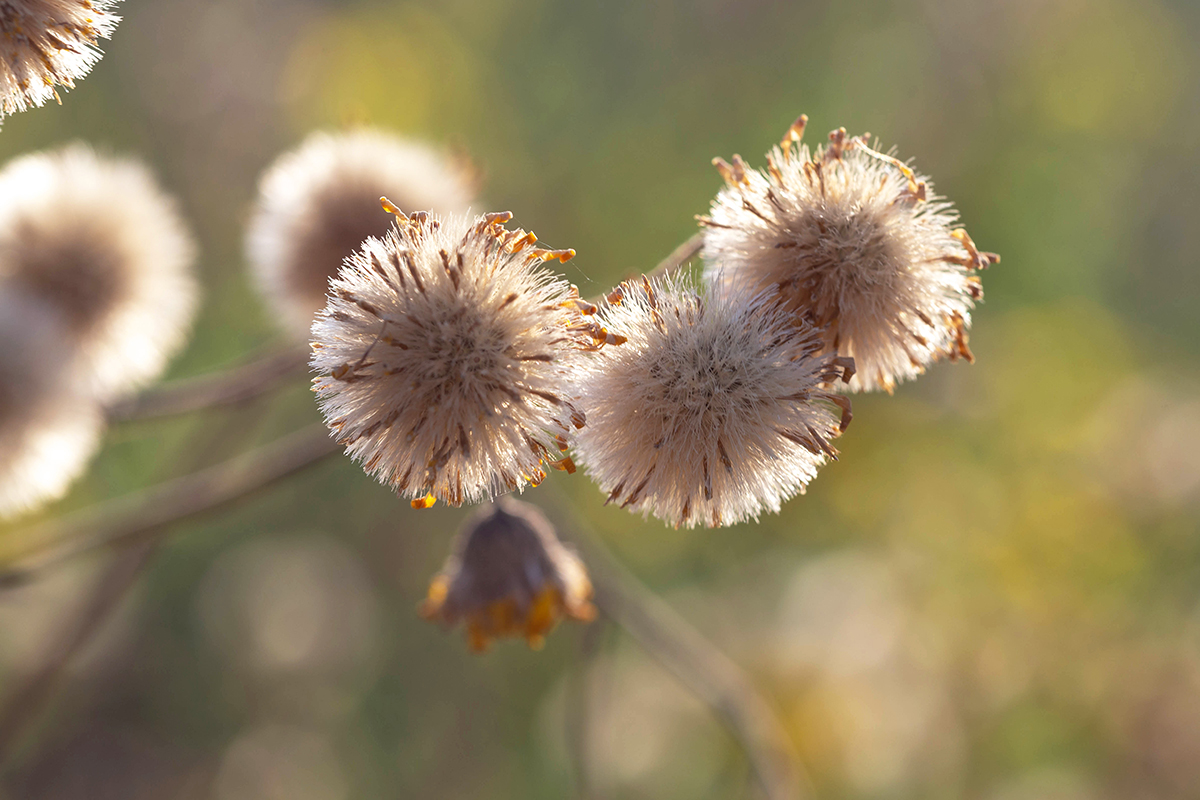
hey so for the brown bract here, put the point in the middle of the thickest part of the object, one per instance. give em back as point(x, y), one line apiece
point(509, 576)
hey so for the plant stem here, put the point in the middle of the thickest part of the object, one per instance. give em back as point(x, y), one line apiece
point(133, 516)
point(235, 385)
point(699, 665)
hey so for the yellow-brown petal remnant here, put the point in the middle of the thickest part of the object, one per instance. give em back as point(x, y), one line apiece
point(509, 576)
point(854, 242)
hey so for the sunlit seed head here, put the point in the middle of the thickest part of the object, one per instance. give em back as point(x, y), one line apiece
point(49, 428)
point(47, 44)
point(509, 576)
point(98, 240)
point(318, 203)
point(443, 358)
point(858, 245)
point(714, 409)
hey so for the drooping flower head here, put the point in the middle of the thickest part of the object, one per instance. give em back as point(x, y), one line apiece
point(45, 44)
point(49, 428)
point(857, 244)
point(318, 203)
point(443, 357)
point(713, 411)
point(96, 239)
point(509, 576)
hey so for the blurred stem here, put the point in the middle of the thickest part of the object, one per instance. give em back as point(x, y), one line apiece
point(578, 710)
point(227, 387)
point(698, 665)
point(136, 515)
point(679, 256)
point(28, 700)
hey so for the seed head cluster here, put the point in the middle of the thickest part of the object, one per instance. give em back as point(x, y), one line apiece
point(97, 240)
point(714, 410)
point(509, 575)
point(318, 203)
point(443, 357)
point(45, 44)
point(855, 243)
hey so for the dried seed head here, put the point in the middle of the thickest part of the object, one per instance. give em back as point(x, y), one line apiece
point(318, 203)
point(443, 356)
point(509, 576)
point(97, 239)
point(45, 44)
point(854, 242)
point(49, 429)
point(713, 411)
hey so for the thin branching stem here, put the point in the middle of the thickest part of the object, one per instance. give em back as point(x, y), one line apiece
point(126, 519)
point(227, 387)
point(699, 665)
point(678, 257)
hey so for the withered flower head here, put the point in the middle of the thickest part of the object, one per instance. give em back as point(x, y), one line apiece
point(318, 203)
point(49, 428)
point(97, 239)
point(509, 576)
point(45, 44)
point(714, 410)
point(856, 243)
point(443, 356)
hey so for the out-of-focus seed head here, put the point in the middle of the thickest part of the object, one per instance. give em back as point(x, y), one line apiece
point(715, 409)
point(45, 44)
point(49, 428)
point(318, 203)
point(509, 576)
point(97, 239)
point(444, 354)
point(857, 244)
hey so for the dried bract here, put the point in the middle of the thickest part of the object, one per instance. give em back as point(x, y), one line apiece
point(855, 243)
point(509, 576)
point(318, 203)
point(443, 356)
point(49, 429)
point(714, 410)
point(96, 239)
point(45, 44)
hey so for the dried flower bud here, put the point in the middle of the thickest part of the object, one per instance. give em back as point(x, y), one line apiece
point(713, 411)
point(856, 243)
point(96, 239)
point(45, 44)
point(509, 576)
point(318, 203)
point(49, 429)
point(443, 356)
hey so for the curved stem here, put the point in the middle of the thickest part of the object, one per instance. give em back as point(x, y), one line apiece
point(700, 666)
point(682, 254)
point(234, 385)
point(128, 518)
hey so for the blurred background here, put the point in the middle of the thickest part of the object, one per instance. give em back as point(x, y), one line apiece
point(994, 594)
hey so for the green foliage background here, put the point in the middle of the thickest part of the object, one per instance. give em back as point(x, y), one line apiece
point(994, 594)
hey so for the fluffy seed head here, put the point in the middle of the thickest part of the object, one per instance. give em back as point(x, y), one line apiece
point(318, 203)
point(97, 239)
point(49, 429)
point(857, 244)
point(509, 576)
point(45, 44)
point(713, 411)
point(443, 355)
